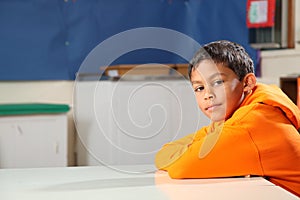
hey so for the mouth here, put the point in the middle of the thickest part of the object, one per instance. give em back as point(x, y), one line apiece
point(212, 107)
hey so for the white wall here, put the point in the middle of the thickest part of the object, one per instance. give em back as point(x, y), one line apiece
point(36, 91)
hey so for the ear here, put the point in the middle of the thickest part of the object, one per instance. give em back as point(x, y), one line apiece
point(249, 82)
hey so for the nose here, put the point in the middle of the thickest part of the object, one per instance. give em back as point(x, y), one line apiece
point(208, 95)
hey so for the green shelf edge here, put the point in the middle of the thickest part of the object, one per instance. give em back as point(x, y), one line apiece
point(32, 108)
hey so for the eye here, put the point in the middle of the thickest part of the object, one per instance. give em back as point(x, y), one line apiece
point(217, 82)
point(199, 88)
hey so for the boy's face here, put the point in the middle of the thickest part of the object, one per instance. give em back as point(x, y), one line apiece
point(218, 90)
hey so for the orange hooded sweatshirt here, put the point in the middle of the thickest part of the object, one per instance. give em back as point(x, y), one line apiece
point(260, 138)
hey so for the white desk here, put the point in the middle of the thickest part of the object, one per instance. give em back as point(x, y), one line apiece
point(95, 182)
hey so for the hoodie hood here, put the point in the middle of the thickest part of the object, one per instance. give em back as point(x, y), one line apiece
point(274, 96)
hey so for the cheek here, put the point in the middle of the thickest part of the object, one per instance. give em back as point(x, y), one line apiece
point(221, 94)
point(199, 99)
point(234, 97)
point(237, 92)
point(236, 87)
point(234, 90)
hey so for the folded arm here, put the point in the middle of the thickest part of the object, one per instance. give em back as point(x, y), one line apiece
point(170, 152)
point(232, 153)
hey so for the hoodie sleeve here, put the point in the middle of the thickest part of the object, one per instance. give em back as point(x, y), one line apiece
point(230, 152)
point(170, 152)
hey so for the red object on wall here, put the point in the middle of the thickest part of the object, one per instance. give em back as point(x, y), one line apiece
point(260, 13)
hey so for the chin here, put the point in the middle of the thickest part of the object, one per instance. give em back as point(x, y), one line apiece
point(217, 118)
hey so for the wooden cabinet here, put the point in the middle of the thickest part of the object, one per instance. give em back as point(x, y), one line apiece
point(146, 69)
point(289, 86)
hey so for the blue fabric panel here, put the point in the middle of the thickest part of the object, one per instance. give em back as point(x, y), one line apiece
point(49, 39)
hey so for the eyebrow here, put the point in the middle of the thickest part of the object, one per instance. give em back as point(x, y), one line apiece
point(196, 82)
point(211, 77)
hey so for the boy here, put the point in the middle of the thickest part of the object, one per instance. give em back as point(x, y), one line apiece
point(253, 127)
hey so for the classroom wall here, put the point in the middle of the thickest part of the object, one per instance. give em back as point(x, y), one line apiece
point(274, 64)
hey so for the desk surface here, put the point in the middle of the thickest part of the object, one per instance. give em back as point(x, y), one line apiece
point(104, 183)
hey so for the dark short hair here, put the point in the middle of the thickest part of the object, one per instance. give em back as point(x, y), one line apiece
point(229, 54)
